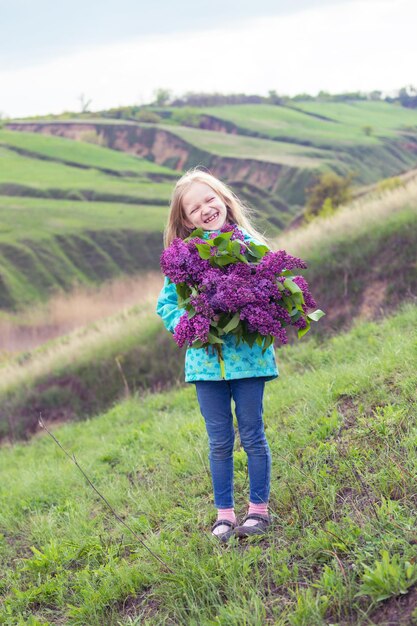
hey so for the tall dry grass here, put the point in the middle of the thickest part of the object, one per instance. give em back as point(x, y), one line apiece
point(66, 312)
point(78, 346)
point(351, 219)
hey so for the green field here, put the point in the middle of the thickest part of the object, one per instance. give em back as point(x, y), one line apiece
point(48, 176)
point(82, 153)
point(361, 264)
point(243, 147)
point(40, 218)
point(341, 423)
point(343, 128)
point(84, 204)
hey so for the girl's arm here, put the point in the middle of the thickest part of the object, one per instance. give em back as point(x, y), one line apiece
point(167, 306)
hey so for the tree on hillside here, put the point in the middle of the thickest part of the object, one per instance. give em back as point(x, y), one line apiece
point(274, 98)
point(408, 97)
point(162, 97)
point(330, 191)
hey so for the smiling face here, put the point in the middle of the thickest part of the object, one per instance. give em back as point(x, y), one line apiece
point(203, 208)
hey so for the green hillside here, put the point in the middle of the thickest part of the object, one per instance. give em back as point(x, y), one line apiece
point(381, 135)
point(341, 422)
point(361, 265)
point(82, 153)
point(74, 213)
point(98, 208)
point(50, 244)
point(322, 124)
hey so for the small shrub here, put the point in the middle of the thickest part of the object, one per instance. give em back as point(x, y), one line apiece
point(148, 117)
point(388, 184)
point(186, 117)
point(389, 577)
point(330, 191)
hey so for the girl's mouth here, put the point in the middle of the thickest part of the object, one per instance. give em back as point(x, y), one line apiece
point(211, 218)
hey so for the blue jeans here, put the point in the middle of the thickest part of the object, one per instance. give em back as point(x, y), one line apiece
point(214, 398)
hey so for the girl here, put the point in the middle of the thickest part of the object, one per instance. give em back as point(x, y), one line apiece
point(200, 200)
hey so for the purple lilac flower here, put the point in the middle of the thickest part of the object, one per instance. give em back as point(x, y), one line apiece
point(274, 263)
point(182, 263)
point(248, 288)
point(201, 303)
point(232, 292)
point(300, 323)
point(263, 320)
point(189, 330)
point(310, 303)
point(237, 234)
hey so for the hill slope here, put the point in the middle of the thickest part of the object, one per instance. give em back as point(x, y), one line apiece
point(361, 264)
point(102, 207)
point(341, 422)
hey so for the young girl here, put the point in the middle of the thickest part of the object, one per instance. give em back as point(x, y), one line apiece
point(200, 200)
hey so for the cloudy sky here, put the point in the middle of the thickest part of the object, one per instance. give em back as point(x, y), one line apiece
point(119, 53)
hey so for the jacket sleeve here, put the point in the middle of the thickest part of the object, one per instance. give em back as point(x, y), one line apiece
point(167, 306)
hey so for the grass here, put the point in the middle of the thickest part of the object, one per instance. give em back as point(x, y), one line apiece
point(361, 264)
point(35, 270)
point(343, 128)
point(87, 370)
point(34, 219)
point(350, 220)
point(342, 428)
point(82, 153)
point(243, 147)
point(48, 176)
point(64, 312)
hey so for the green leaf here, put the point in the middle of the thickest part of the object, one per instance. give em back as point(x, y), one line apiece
point(198, 344)
point(316, 315)
point(287, 303)
point(213, 339)
point(235, 245)
point(268, 341)
point(293, 287)
point(224, 260)
point(231, 325)
point(303, 331)
point(258, 250)
point(249, 338)
point(191, 314)
point(197, 232)
point(223, 245)
point(221, 238)
point(203, 250)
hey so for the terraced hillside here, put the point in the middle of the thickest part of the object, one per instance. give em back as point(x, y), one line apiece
point(275, 148)
point(99, 212)
point(361, 266)
point(73, 212)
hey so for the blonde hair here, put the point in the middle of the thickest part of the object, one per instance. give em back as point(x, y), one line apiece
point(237, 212)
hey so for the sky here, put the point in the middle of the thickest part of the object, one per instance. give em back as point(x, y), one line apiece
point(120, 53)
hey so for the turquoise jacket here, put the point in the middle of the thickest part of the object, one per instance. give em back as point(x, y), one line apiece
point(239, 361)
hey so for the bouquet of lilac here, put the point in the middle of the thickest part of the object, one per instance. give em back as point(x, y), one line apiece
point(228, 286)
